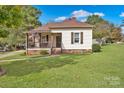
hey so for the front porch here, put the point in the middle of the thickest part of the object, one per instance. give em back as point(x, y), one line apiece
point(39, 41)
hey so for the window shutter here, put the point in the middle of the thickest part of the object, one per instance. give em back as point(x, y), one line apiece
point(72, 38)
point(81, 38)
point(47, 38)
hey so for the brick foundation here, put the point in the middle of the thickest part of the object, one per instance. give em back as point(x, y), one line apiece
point(33, 52)
point(76, 51)
point(58, 51)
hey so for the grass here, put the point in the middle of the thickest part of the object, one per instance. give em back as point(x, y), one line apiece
point(103, 69)
point(20, 56)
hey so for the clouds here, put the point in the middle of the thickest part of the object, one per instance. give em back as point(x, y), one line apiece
point(122, 14)
point(83, 20)
point(60, 18)
point(81, 15)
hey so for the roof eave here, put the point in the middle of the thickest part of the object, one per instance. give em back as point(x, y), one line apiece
point(69, 27)
point(38, 31)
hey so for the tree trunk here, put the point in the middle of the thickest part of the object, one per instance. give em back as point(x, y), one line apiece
point(15, 47)
point(2, 71)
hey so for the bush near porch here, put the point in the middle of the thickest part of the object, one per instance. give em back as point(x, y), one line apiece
point(102, 69)
point(96, 48)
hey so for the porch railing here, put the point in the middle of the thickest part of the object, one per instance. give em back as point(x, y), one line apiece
point(39, 45)
point(45, 45)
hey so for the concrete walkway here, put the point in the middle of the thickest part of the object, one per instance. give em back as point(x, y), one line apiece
point(19, 59)
point(13, 60)
point(11, 53)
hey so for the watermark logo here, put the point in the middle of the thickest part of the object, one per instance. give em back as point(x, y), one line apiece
point(112, 80)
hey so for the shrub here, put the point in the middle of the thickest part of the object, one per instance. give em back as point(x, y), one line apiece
point(22, 54)
point(96, 48)
point(109, 40)
point(44, 52)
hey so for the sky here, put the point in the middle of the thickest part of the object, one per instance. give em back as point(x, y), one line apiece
point(112, 13)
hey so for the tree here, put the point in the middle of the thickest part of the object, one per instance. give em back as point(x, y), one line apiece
point(103, 29)
point(116, 34)
point(100, 28)
point(94, 19)
point(3, 32)
point(14, 20)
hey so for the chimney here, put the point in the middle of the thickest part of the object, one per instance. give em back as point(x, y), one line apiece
point(73, 18)
point(69, 19)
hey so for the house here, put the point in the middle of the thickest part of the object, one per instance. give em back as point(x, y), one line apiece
point(68, 36)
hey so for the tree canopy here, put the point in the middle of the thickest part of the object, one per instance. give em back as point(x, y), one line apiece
point(19, 16)
point(102, 28)
point(94, 19)
point(14, 20)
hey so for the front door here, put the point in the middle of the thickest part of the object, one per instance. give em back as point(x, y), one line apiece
point(58, 41)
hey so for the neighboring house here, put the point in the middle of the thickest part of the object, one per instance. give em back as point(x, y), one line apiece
point(69, 36)
point(99, 41)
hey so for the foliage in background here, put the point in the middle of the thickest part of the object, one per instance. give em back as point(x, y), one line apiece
point(116, 34)
point(14, 20)
point(104, 29)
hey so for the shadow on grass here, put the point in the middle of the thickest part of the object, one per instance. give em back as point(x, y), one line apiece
point(20, 68)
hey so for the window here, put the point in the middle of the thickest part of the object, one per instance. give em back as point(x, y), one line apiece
point(45, 39)
point(76, 37)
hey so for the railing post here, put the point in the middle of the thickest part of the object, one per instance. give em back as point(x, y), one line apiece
point(61, 42)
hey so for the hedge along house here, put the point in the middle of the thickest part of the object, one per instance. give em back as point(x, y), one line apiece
point(69, 36)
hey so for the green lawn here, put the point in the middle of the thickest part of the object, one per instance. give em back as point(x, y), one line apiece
point(21, 56)
point(104, 69)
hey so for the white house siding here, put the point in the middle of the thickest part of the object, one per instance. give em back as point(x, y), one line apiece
point(66, 38)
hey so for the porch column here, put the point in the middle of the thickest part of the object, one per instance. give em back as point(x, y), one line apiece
point(40, 39)
point(51, 42)
point(61, 42)
point(34, 39)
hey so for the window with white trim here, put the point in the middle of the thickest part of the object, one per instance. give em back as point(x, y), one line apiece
point(76, 37)
point(45, 39)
